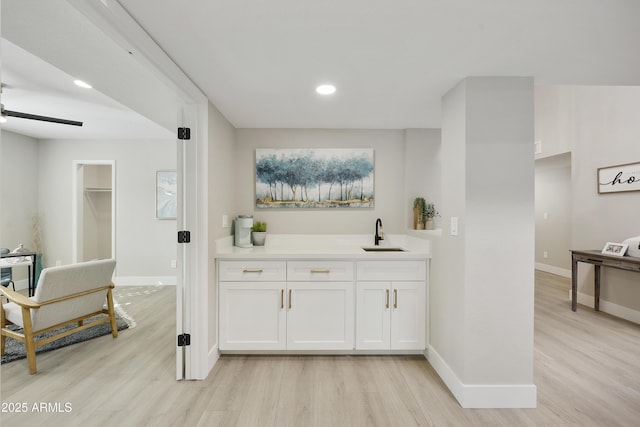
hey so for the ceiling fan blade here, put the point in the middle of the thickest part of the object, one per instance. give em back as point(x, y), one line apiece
point(41, 118)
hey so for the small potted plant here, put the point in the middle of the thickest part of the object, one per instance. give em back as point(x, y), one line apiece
point(419, 206)
point(428, 214)
point(259, 233)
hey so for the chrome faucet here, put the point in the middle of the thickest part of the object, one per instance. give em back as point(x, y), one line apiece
point(379, 234)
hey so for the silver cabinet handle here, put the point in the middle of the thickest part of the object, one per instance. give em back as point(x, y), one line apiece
point(281, 299)
point(395, 298)
point(320, 270)
point(387, 298)
point(290, 299)
point(252, 270)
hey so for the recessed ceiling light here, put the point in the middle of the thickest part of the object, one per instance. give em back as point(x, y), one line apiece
point(326, 89)
point(82, 84)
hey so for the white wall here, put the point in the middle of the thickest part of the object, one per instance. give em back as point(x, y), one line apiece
point(601, 127)
point(482, 286)
point(222, 196)
point(422, 169)
point(145, 245)
point(390, 202)
point(18, 192)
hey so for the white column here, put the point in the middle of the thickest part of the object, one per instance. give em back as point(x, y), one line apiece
point(482, 289)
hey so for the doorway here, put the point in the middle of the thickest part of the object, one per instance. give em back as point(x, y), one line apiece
point(94, 225)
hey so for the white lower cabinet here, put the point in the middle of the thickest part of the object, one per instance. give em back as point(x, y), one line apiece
point(252, 315)
point(322, 305)
point(391, 315)
point(270, 313)
point(320, 316)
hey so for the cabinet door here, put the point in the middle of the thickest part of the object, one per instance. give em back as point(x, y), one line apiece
point(373, 315)
point(408, 308)
point(252, 315)
point(320, 316)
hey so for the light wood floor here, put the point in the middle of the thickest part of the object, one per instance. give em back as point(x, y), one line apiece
point(587, 370)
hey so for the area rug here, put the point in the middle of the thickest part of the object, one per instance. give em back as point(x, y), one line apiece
point(15, 350)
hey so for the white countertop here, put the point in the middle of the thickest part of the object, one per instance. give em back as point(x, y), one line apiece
point(305, 246)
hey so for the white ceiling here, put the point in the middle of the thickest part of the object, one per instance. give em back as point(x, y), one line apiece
point(391, 60)
point(36, 87)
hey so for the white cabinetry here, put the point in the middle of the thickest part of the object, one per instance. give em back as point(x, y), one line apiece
point(391, 305)
point(320, 312)
point(252, 306)
point(260, 310)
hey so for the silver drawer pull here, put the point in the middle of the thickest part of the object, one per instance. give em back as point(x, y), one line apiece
point(320, 270)
point(252, 270)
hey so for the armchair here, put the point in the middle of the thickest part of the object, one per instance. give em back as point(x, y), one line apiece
point(65, 295)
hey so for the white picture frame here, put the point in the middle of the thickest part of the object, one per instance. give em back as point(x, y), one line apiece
point(166, 194)
point(615, 249)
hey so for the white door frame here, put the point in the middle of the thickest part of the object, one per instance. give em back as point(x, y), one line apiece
point(192, 258)
point(77, 206)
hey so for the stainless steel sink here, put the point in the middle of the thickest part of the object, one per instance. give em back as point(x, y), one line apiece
point(383, 249)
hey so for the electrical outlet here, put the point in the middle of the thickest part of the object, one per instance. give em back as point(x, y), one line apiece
point(545, 254)
point(173, 263)
point(225, 221)
point(545, 215)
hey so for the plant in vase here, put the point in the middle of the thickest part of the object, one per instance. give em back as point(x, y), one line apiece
point(428, 214)
point(259, 233)
point(419, 206)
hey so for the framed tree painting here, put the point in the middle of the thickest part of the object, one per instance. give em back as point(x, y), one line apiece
point(166, 194)
point(314, 178)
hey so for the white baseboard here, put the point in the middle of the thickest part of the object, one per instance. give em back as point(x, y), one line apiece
point(212, 357)
point(553, 270)
point(145, 280)
point(483, 395)
point(611, 308)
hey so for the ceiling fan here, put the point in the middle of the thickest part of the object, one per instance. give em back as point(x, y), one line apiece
point(8, 113)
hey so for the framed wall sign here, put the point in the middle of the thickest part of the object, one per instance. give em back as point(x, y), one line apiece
point(618, 178)
point(166, 192)
point(314, 178)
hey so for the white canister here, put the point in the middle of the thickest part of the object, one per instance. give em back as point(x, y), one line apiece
point(243, 231)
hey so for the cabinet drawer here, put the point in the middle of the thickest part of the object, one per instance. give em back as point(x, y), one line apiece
point(391, 270)
point(319, 271)
point(252, 271)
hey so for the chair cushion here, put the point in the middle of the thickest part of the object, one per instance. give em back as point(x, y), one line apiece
point(13, 313)
point(57, 282)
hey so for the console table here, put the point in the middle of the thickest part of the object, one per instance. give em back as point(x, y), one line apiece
point(598, 259)
point(31, 264)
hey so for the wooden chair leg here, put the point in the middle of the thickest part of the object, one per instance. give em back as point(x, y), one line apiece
point(28, 340)
point(112, 314)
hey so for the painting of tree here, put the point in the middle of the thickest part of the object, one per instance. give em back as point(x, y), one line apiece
point(314, 178)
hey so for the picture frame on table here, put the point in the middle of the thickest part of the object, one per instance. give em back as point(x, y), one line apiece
point(615, 249)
